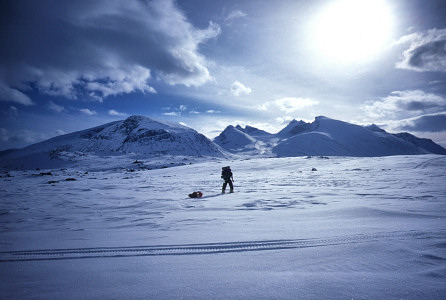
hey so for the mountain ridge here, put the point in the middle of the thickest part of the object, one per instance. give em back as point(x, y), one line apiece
point(139, 135)
point(134, 135)
point(330, 137)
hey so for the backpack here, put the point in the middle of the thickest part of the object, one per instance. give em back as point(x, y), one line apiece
point(226, 173)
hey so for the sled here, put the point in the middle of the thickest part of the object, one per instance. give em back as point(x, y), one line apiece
point(197, 194)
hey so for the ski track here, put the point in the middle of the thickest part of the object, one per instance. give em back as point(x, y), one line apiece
point(211, 248)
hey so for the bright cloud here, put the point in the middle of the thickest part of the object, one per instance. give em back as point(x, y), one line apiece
point(108, 48)
point(288, 104)
point(403, 104)
point(238, 88)
point(115, 113)
point(171, 113)
point(211, 111)
point(426, 51)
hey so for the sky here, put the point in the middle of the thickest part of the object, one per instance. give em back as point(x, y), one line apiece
point(71, 65)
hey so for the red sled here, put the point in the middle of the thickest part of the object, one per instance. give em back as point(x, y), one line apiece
point(196, 195)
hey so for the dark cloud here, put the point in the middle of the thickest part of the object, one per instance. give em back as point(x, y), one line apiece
point(418, 105)
point(426, 51)
point(426, 123)
point(97, 48)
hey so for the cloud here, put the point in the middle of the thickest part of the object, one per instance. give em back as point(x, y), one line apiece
point(54, 107)
point(176, 111)
point(283, 120)
point(288, 104)
point(426, 51)
point(211, 111)
point(20, 136)
point(115, 113)
point(11, 113)
point(4, 137)
point(8, 94)
point(121, 83)
point(235, 14)
point(172, 113)
point(88, 112)
point(404, 104)
point(80, 49)
point(237, 89)
point(59, 132)
point(424, 123)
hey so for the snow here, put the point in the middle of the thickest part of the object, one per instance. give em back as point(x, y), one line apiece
point(324, 136)
point(233, 138)
point(361, 228)
point(136, 135)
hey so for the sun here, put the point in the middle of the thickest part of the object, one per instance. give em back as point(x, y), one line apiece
point(352, 30)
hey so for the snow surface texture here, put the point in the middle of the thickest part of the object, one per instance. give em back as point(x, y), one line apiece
point(324, 136)
point(361, 228)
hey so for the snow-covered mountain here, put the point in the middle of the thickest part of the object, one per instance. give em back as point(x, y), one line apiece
point(325, 136)
point(248, 140)
point(255, 132)
point(136, 134)
point(234, 139)
point(427, 144)
point(293, 128)
point(139, 136)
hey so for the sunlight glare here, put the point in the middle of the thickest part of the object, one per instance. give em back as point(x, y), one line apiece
point(353, 30)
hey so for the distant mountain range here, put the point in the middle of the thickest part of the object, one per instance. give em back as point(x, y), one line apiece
point(146, 136)
point(324, 136)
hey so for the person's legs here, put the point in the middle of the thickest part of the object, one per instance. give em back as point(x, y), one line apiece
point(231, 186)
point(224, 187)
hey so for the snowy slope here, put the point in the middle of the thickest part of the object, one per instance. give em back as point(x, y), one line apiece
point(295, 127)
point(136, 134)
point(357, 228)
point(333, 137)
point(327, 137)
point(234, 139)
point(426, 144)
point(255, 132)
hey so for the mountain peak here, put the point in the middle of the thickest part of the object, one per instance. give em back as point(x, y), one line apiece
point(375, 128)
point(327, 136)
point(234, 139)
point(136, 134)
point(294, 127)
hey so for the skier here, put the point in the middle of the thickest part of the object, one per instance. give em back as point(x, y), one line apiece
point(226, 174)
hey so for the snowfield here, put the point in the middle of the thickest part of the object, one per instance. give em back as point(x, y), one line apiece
point(361, 228)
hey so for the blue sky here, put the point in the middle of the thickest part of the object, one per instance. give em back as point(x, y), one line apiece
point(71, 65)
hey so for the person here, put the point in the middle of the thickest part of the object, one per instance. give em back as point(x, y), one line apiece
point(227, 176)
